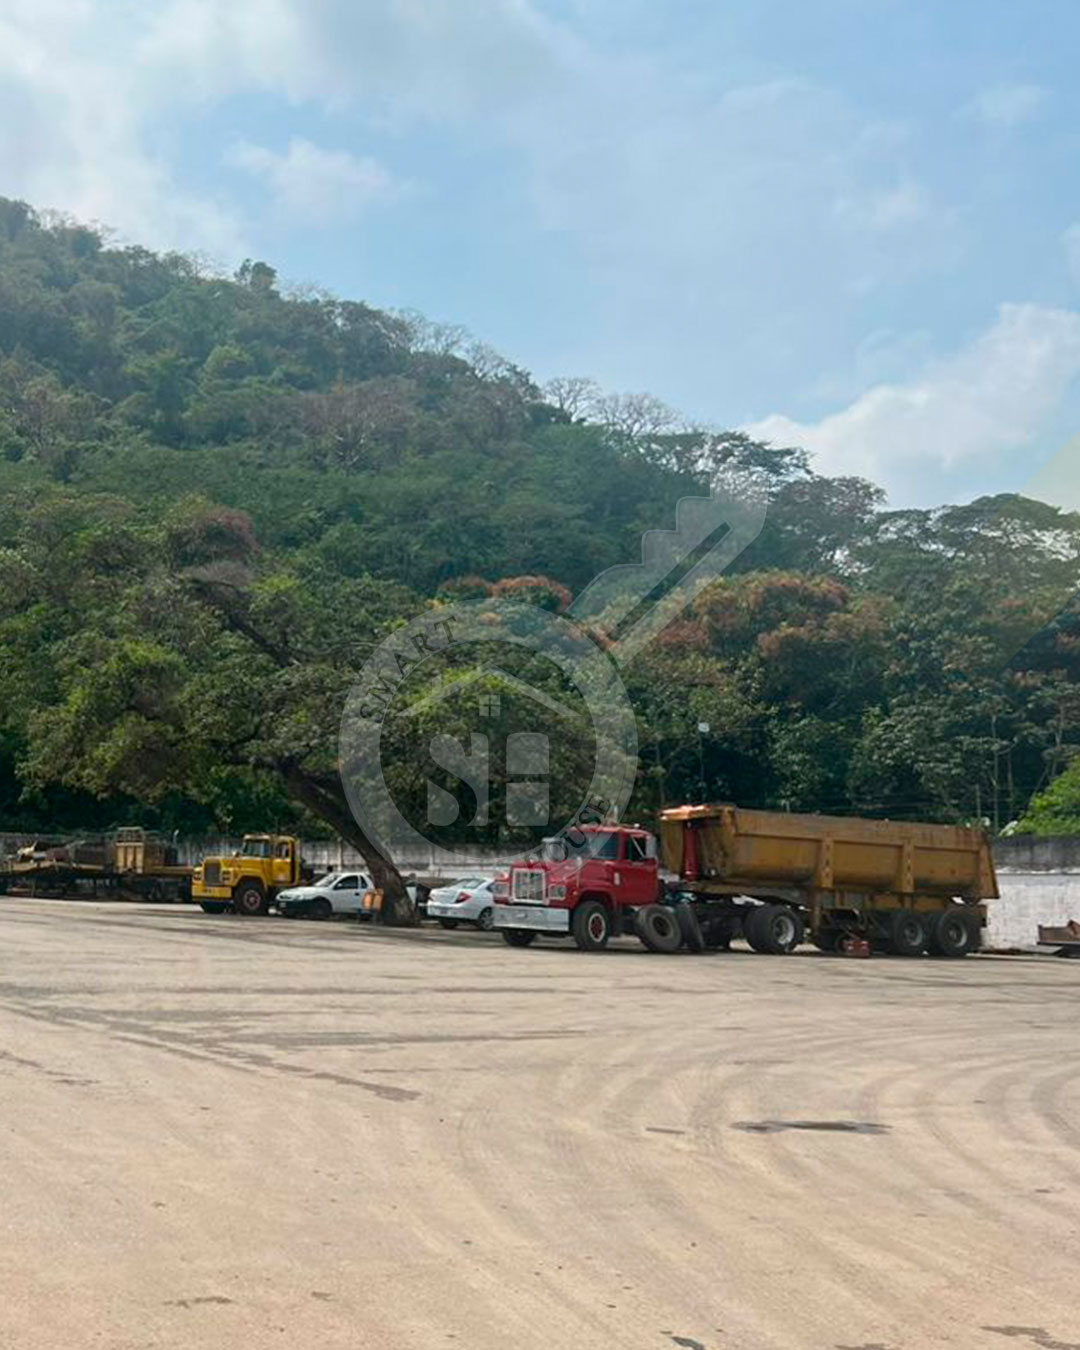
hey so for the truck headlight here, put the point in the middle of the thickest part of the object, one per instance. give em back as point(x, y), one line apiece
point(557, 892)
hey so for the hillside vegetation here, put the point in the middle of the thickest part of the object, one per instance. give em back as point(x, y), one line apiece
point(216, 496)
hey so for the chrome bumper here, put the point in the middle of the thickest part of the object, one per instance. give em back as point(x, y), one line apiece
point(537, 918)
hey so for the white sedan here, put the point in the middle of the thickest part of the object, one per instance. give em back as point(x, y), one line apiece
point(337, 893)
point(469, 900)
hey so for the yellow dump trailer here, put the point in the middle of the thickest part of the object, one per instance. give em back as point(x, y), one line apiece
point(908, 887)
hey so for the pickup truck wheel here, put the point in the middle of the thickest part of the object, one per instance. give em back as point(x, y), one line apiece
point(486, 921)
point(248, 899)
point(591, 926)
point(322, 908)
point(953, 934)
point(212, 907)
point(908, 933)
point(658, 928)
point(774, 929)
point(518, 937)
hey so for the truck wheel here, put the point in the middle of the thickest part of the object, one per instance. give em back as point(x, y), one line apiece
point(953, 934)
point(658, 928)
point(828, 939)
point(692, 936)
point(322, 908)
point(908, 933)
point(448, 923)
point(248, 899)
point(774, 930)
point(591, 926)
point(212, 907)
point(518, 937)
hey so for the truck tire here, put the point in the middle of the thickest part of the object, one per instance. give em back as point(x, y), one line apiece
point(448, 923)
point(909, 933)
point(212, 907)
point(518, 937)
point(774, 930)
point(954, 934)
point(692, 936)
point(659, 929)
point(249, 899)
point(591, 926)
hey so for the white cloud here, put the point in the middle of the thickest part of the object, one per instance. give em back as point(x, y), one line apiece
point(313, 183)
point(970, 409)
point(89, 88)
point(1007, 105)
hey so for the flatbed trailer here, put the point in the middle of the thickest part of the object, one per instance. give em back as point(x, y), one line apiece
point(132, 865)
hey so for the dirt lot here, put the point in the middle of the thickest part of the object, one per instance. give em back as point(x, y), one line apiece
point(251, 1133)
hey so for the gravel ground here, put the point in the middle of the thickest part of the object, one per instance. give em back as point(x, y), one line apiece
point(229, 1132)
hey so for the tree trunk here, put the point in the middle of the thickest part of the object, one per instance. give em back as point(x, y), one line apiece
point(324, 797)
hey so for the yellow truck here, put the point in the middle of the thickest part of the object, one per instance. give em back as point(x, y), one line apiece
point(248, 881)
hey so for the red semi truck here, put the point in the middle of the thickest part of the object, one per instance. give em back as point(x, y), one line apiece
point(771, 878)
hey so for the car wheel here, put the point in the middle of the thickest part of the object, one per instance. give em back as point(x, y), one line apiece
point(448, 923)
point(322, 909)
point(486, 921)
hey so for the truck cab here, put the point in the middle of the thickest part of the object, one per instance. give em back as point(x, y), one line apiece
point(249, 880)
point(587, 884)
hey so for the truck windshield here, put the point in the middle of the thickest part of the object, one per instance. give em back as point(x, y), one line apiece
point(554, 849)
point(604, 845)
point(256, 848)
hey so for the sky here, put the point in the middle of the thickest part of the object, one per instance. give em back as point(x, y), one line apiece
point(852, 225)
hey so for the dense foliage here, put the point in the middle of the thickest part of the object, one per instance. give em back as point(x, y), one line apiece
point(216, 497)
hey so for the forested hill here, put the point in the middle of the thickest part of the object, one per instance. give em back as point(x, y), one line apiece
point(353, 465)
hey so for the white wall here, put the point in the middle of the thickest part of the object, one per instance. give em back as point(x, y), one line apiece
point(1027, 900)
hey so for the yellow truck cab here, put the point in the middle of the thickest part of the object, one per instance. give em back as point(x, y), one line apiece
point(248, 881)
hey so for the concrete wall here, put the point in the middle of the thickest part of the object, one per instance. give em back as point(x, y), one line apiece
point(1029, 899)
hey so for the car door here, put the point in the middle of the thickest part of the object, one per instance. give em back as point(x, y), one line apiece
point(345, 897)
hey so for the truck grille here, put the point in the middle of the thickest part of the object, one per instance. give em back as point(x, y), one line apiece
point(212, 873)
point(528, 886)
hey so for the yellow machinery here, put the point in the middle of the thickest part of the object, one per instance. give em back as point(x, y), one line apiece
point(248, 881)
point(908, 886)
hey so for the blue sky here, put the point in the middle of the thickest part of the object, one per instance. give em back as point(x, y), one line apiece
point(851, 224)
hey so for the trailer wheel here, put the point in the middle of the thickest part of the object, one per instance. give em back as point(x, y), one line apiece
point(953, 934)
point(212, 907)
point(591, 926)
point(692, 936)
point(908, 933)
point(774, 930)
point(659, 929)
point(248, 899)
point(518, 937)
